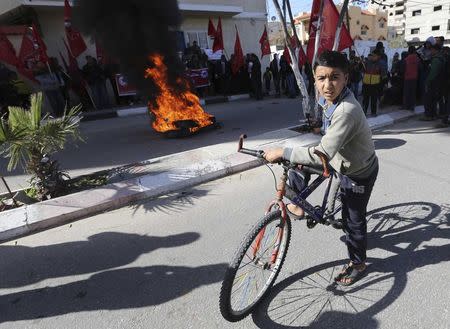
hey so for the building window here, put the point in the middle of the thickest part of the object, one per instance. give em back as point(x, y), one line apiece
point(200, 37)
point(417, 12)
point(399, 12)
point(435, 28)
point(437, 8)
point(391, 14)
point(357, 22)
point(448, 25)
point(364, 29)
point(415, 31)
point(381, 25)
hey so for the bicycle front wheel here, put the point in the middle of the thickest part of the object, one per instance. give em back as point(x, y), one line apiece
point(255, 266)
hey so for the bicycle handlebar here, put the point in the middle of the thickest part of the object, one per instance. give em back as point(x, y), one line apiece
point(260, 154)
point(255, 153)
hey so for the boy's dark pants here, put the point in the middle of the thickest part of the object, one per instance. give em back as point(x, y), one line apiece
point(355, 198)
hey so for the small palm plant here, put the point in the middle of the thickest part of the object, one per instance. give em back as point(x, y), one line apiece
point(29, 139)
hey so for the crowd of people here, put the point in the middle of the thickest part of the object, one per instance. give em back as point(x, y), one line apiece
point(419, 75)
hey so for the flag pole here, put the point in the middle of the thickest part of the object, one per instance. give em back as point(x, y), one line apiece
point(86, 86)
point(298, 76)
point(317, 37)
point(300, 82)
point(337, 36)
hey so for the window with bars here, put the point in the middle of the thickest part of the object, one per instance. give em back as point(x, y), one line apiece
point(199, 36)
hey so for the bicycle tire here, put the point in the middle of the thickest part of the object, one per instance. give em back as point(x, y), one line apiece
point(225, 300)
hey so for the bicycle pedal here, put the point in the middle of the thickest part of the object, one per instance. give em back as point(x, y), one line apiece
point(310, 223)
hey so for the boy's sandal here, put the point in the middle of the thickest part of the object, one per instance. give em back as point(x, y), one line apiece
point(292, 215)
point(349, 275)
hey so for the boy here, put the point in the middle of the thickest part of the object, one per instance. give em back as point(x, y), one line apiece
point(348, 144)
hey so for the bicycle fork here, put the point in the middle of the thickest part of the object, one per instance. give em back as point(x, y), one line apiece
point(281, 190)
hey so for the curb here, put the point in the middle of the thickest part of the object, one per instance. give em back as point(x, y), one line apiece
point(44, 215)
point(120, 113)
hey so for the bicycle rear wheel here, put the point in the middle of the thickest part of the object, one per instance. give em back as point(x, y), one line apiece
point(255, 266)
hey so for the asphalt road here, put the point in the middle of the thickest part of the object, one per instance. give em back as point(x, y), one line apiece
point(159, 263)
point(118, 141)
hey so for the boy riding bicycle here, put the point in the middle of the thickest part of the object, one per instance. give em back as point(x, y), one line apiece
point(348, 145)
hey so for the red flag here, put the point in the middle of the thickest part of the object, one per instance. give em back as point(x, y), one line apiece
point(39, 43)
point(218, 39)
point(30, 53)
point(301, 57)
point(286, 55)
point(76, 41)
point(238, 55)
point(7, 52)
point(264, 42)
point(73, 64)
point(211, 28)
point(328, 29)
point(294, 43)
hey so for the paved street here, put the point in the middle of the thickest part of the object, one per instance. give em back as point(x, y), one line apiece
point(159, 263)
point(119, 141)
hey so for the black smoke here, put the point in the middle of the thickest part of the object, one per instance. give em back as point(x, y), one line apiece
point(130, 31)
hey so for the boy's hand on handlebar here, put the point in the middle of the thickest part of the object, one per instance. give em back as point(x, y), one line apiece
point(273, 155)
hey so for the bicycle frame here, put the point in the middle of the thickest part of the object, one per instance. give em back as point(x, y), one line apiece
point(284, 190)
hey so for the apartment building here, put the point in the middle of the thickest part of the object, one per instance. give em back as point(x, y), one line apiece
point(249, 16)
point(364, 24)
point(396, 19)
point(427, 19)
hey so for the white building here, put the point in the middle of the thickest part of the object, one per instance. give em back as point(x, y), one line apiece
point(427, 19)
point(396, 19)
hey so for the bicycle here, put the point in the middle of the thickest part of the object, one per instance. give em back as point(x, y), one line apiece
point(265, 247)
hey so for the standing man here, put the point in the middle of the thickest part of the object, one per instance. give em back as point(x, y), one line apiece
point(348, 145)
point(223, 75)
point(446, 89)
point(372, 82)
point(433, 83)
point(355, 73)
point(410, 79)
point(274, 68)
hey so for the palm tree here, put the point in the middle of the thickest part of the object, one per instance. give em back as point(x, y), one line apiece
point(29, 139)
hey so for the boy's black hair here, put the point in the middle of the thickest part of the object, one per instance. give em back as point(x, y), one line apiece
point(334, 59)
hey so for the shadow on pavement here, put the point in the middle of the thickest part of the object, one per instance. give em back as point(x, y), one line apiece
point(110, 290)
point(23, 265)
point(311, 298)
point(388, 143)
point(173, 202)
point(420, 129)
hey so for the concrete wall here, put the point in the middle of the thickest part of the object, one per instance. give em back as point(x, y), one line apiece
point(427, 19)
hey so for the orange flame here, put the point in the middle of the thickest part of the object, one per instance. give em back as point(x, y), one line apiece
point(172, 107)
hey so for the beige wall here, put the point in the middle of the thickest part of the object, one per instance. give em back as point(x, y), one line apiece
point(357, 20)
